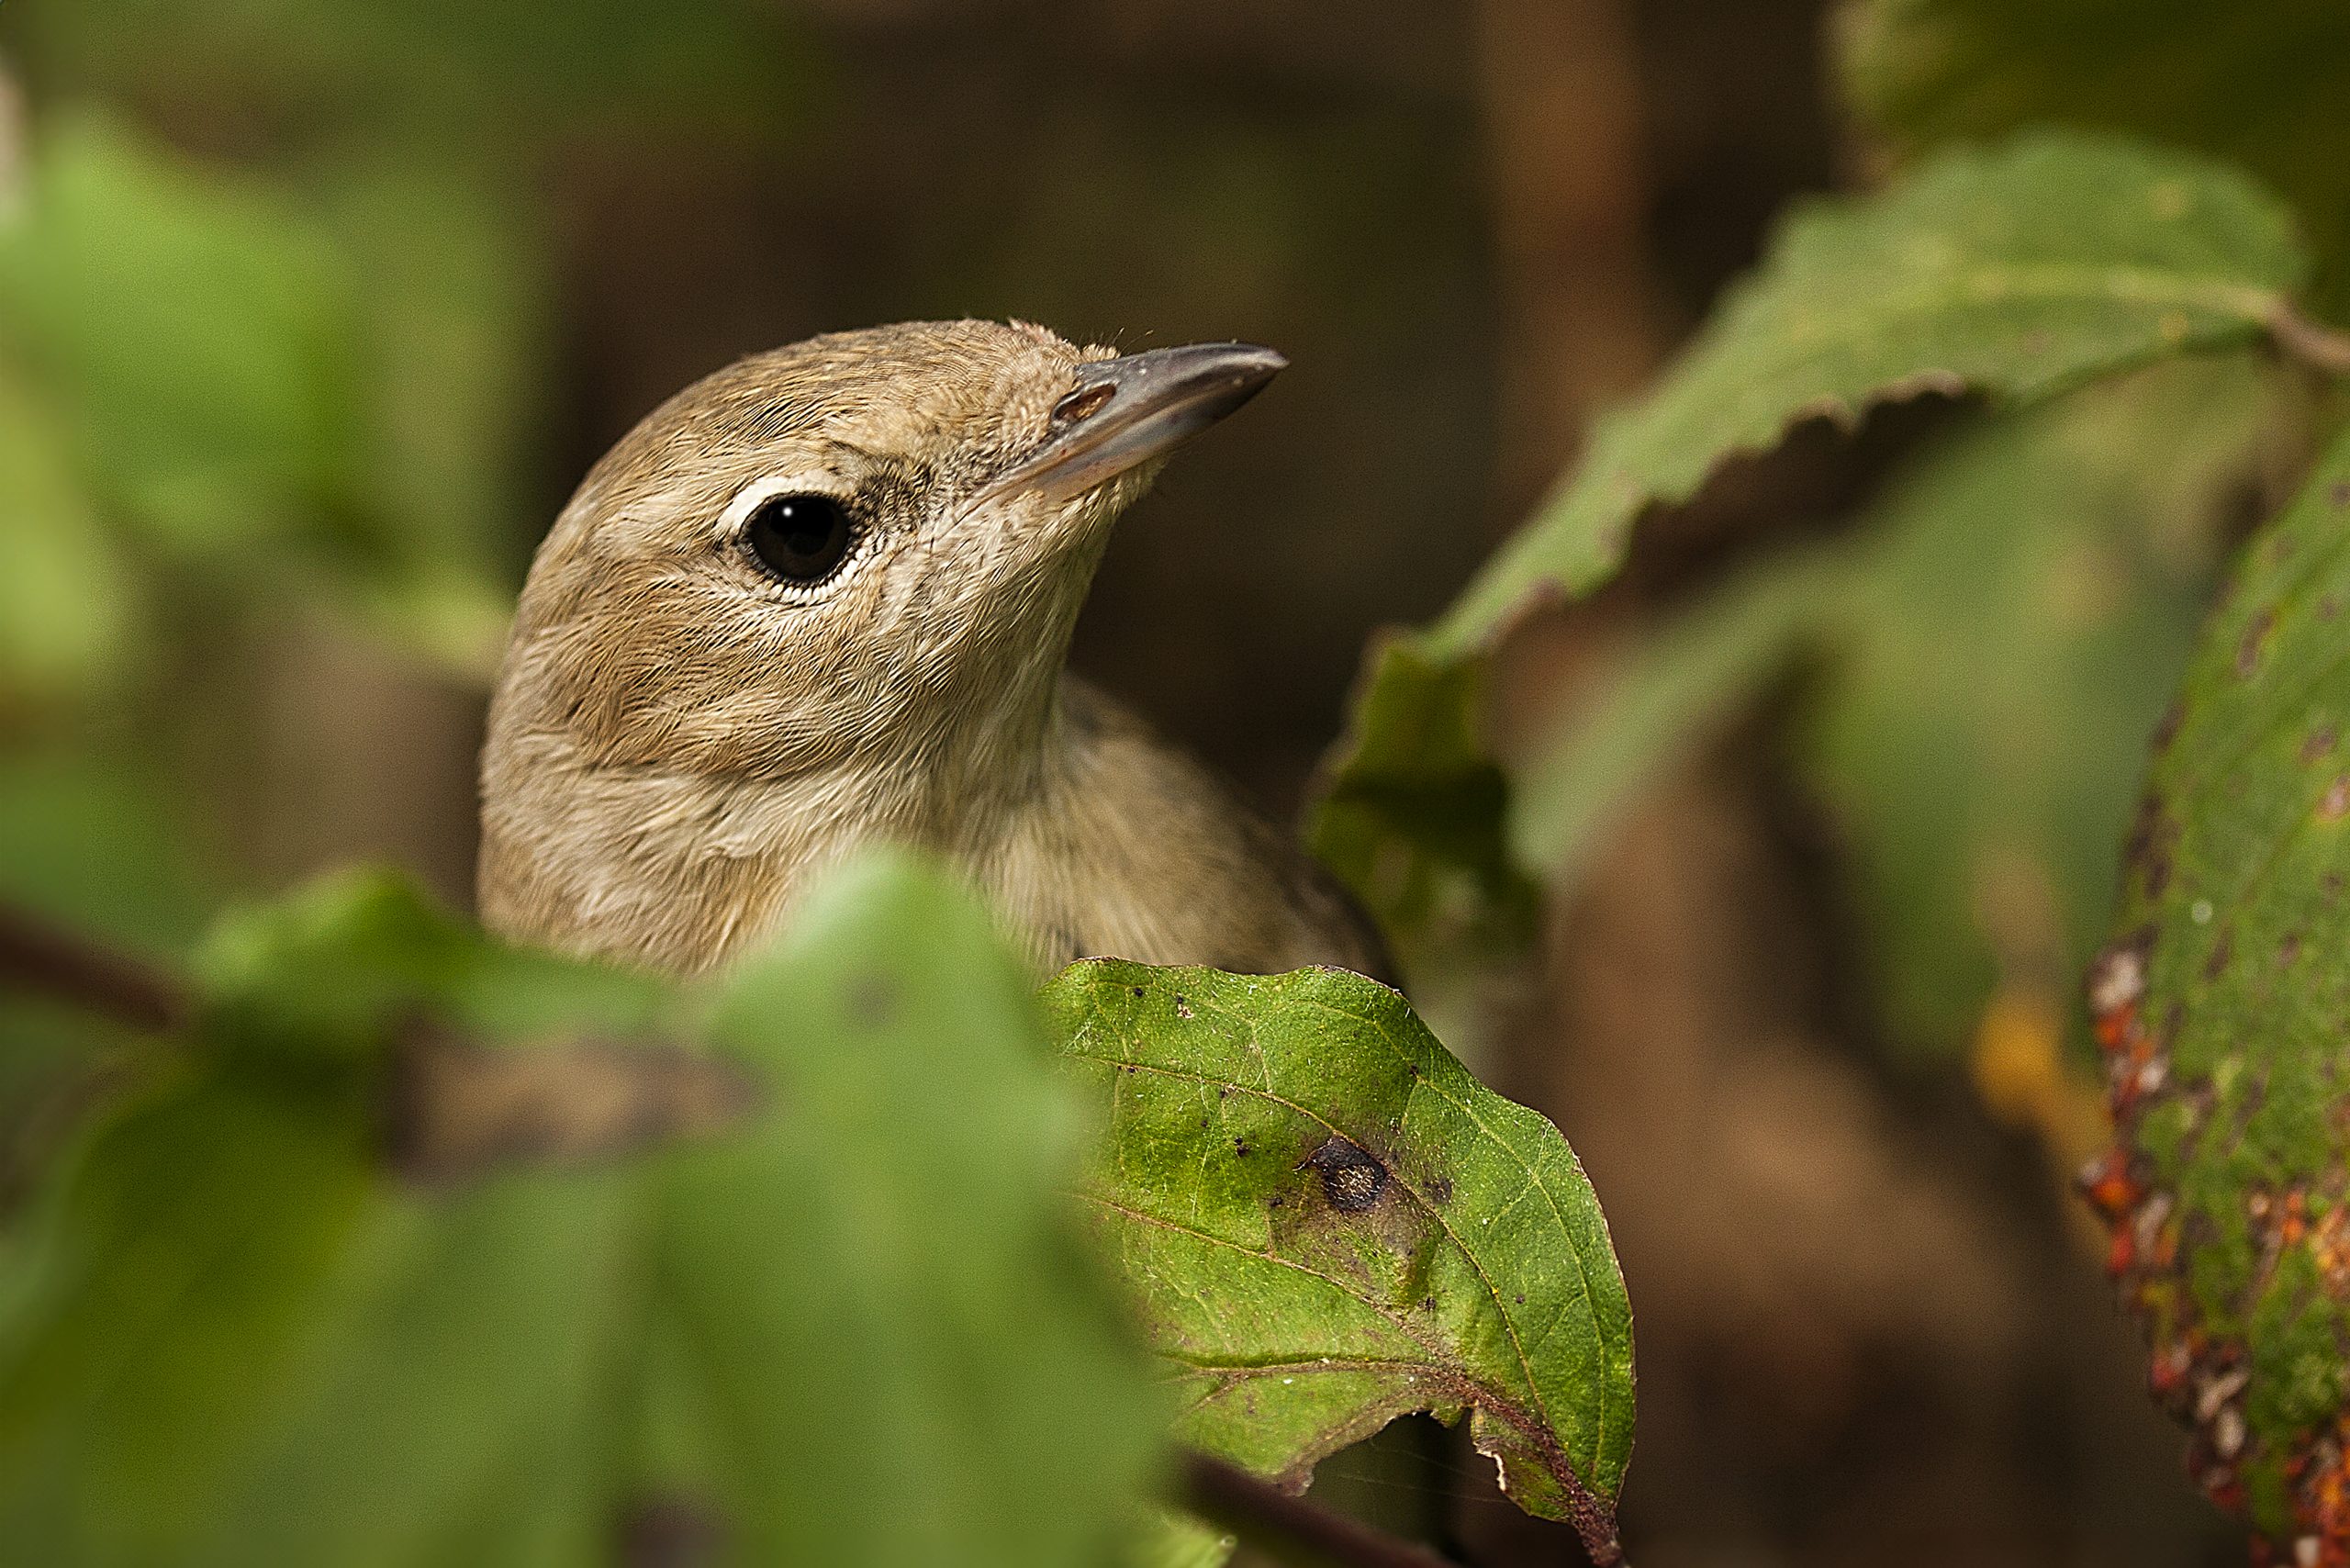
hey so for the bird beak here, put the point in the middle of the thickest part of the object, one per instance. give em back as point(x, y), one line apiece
point(1127, 410)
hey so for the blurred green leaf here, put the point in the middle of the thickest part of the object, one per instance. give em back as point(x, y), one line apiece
point(192, 327)
point(2016, 273)
point(1168, 1540)
point(1994, 643)
point(1329, 1224)
point(2021, 608)
point(103, 847)
point(907, 1357)
point(223, 382)
point(2262, 85)
point(68, 607)
point(237, 1336)
point(2221, 1008)
point(491, 73)
point(1690, 675)
point(1407, 823)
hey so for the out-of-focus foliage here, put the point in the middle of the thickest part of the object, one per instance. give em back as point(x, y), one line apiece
point(501, 76)
point(212, 371)
point(1684, 679)
point(2021, 608)
point(2017, 274)
point(1984, 659)
point(256, 1318)
point(2219, 1009)
point(2259, 84)
point(237, 1335)
point(1328, 1224)
point(1407, 815)
point(285, 375)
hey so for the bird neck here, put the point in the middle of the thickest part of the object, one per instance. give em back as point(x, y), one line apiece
point(679, 871)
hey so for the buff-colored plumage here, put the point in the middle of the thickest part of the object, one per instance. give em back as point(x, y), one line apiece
point(679, 741)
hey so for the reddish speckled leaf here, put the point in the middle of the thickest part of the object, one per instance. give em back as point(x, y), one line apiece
point(2222, 1010)
point(1328, 1224)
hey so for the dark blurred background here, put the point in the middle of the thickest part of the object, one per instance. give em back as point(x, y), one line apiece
point(478, 238)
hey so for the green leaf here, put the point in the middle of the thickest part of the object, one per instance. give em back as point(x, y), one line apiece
point(2015, 274)
point(2220, 1008)
point(1329, 1224)
point(218, 377)
point(68, 602)
point(486, 76)
point(192, 327)
point(1406, 823)
point(2260, 86)
point(1987, 654)
point(907, 1355)
point(855, 1328)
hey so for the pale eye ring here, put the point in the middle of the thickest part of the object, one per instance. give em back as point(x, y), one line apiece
point(799, 538)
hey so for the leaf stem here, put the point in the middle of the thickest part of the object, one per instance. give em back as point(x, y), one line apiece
point(2314, 343)
point(1290, 1530)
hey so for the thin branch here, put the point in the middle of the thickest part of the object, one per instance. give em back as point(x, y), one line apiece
point(2315, 344)
point(1289, 1528)
point(38, 958)
point(452, 1109)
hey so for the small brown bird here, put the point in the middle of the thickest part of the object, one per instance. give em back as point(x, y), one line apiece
point(822, 598)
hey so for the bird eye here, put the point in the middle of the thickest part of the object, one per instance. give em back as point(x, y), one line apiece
point(800, 538)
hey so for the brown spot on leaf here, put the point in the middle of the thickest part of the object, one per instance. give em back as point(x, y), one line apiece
point(2335, 803)
point(2216, 964)
point(670, 1531)
point(2248, 646)
point(2319, 742)
point(2166, 727)
point(2340, 494)
point(2147, 850)
point(1351, 1179)
point(873, 1002)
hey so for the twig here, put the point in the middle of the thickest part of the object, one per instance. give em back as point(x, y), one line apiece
point(452, 1108)
point(1289, 1527)
point(38, 958)
point(2315, 344)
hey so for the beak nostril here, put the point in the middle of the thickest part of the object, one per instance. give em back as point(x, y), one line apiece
point(1133, 409)
point(1082, 403)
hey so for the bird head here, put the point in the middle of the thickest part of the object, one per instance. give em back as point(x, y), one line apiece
point(869, 546)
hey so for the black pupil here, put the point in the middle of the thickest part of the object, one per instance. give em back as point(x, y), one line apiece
point(800, 538)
